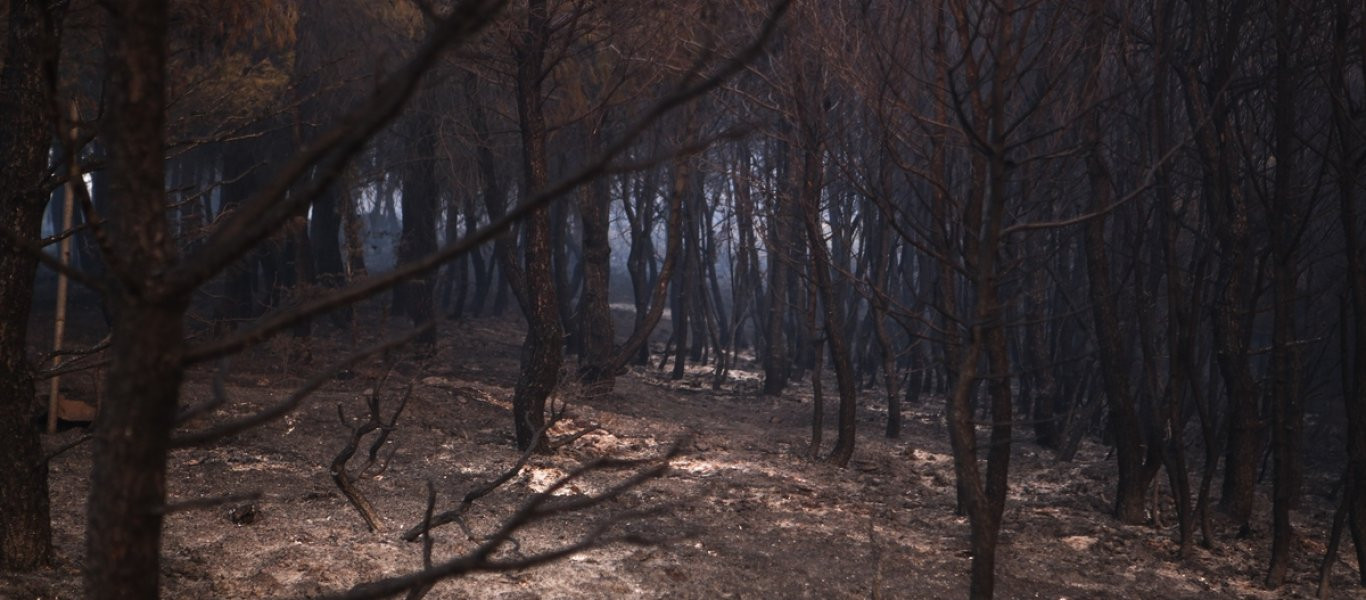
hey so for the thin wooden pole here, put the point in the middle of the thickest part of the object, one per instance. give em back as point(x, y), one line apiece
point(64, 254)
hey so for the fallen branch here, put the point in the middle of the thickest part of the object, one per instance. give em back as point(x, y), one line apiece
point(376, 422)
point(537, 508)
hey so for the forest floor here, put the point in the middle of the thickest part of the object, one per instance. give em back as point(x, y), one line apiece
point(746, 513)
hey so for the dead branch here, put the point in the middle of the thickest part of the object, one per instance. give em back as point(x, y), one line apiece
point(537, 508)
point(384, 430)
point(418, 593)
point(79, 352)
point(376, 422)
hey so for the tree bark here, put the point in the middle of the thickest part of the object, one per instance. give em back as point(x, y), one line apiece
point(1287, 406)
point(416, 297)
point(543, 346)
point(595, 312)
point(128, 480)
point(777, 363)
point(31, 42)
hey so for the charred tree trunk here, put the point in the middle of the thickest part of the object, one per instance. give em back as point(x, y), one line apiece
point(882, 268)
point(640, 219)
point(640, 336)
point(1287, 405)
point(325, 227)
point(32, 36)
point(777, 362)
point(542, 349)
point(128, 480)
point(1347, 167)
point(684, 284)
point(1130, 497)
point(483, 271)
point(835, 337)
point(416, 298)
point(495, 202)
point(1208, 107)
point(595, 310)
point(240, 177)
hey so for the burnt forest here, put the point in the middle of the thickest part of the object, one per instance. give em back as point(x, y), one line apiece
point(551, 299)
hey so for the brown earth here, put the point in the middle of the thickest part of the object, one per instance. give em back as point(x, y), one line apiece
point(747, 514)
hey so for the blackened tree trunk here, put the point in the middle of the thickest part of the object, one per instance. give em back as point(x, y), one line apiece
point(324, 229)
point(1110, 342)
point(542, 349)
point(684, 284)
point(128, 480)
point(640, 219)
point(777, 362)
point(298, 266)
point(483, 271)
point(745, 288)
point(882, 268)
point(32, 36)
point(1181, 307)
point(1287, 406)
point(640, 336)
point(596, 327)
point(983, 498)
point(454, 287)
point(835, 337)
point(416, 297)
point(1209, 110)
point(325, 234)
point(561, 239)
point(1346, 165)
point(495, 201)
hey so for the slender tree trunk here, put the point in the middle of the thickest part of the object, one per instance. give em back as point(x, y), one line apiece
point(835, 336)
point(1130, 497)
point(684, 284)
point(1287, 408)
point(495, 202)
point(483, 271)
point(682, 180)
point(777, 362)
point(416, 298)
point(886, 348)
point(542, 349)
point(1208, 108)
point(1353, 330)
point(596, 313)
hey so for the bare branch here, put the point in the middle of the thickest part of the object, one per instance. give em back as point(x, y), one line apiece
point(536, 509)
